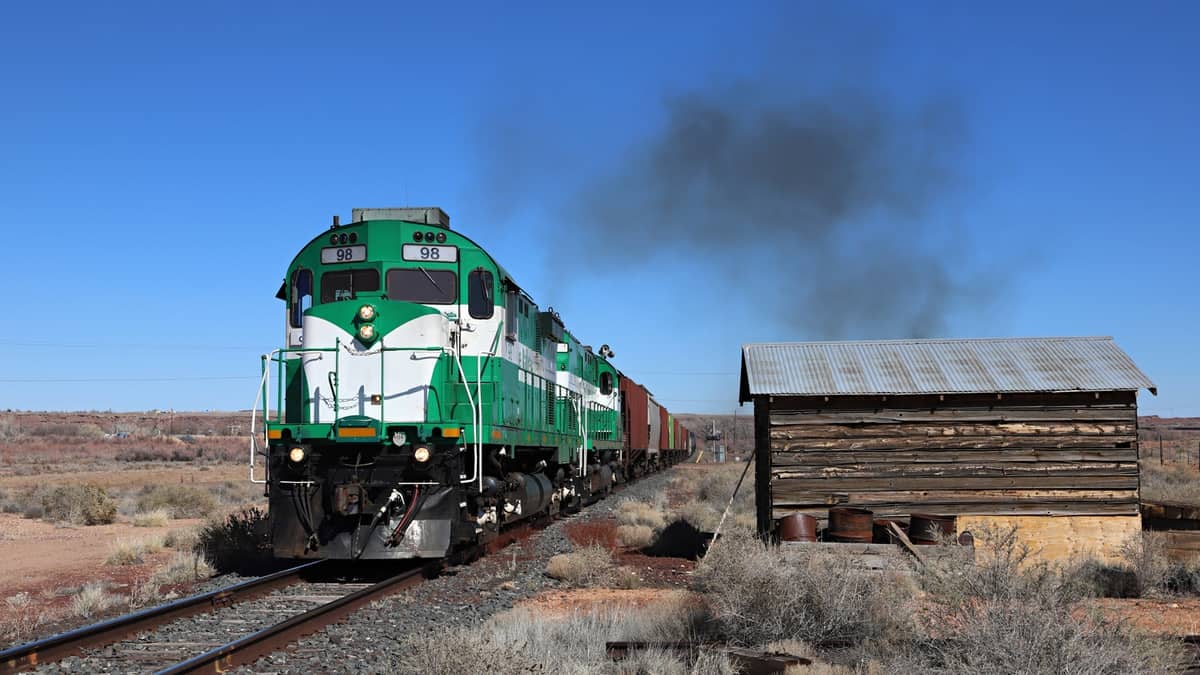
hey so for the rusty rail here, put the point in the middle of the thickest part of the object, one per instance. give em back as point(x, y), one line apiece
point(248, 649)
point(57, 647)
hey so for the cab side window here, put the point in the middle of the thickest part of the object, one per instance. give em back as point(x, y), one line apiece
point(480, 294)
point(302, 292)
point(606, 383)
point(511, 298)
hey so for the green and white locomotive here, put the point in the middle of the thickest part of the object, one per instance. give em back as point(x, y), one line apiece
point(424, 401)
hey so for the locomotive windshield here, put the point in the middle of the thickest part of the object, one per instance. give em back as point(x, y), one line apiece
point(428, 287)
point(346, 284)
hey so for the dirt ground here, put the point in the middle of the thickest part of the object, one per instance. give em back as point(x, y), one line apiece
point(45, 559)
point(49, 562)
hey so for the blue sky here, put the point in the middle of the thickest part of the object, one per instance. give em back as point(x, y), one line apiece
point(160, 163)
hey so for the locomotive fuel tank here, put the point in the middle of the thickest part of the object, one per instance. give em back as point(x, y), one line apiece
point(528, 494)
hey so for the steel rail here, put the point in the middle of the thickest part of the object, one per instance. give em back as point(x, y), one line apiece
point(57, 647)
point(248, 649)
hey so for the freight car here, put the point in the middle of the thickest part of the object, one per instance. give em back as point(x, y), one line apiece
point(423, 400)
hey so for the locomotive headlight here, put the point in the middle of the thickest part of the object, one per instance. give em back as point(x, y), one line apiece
point(296, 455)
point(366, 313)
point(366, 332)
point(421, 454)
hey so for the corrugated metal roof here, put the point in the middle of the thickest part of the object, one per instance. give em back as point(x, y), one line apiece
point(966, 366)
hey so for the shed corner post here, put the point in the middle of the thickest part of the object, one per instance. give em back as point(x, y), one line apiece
point(762, 464)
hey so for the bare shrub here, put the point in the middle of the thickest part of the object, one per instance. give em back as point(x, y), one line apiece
point(238, 543)
point(238, 492)
point(182, 501)
point(92, 599)
point(25, 502)
point(1096, 579)
point(1003, 569)
point(1009, 614)
point(758, 597)
point(637, 536)
point(1014, 637)
point(20, 619)
point(589, 566)
point(69, 430)
point(1145, 553)
point(87, 504)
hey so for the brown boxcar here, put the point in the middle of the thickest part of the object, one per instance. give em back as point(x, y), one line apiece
point(634, 406)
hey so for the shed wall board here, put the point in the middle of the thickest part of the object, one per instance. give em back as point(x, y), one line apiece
point(1033, 454)
point(1062, 539)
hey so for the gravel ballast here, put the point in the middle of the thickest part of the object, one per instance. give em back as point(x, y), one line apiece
point(463, 596)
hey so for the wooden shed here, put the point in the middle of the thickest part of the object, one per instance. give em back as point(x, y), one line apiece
point(1040, 433)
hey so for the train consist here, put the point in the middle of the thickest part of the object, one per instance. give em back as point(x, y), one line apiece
point(423, 401)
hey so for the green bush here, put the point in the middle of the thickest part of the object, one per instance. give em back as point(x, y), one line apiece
point(239, 543)
point(87, 504)
point(183, 501)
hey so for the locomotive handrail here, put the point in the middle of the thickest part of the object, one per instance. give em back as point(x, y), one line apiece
point(278, 357)
point(261, 395)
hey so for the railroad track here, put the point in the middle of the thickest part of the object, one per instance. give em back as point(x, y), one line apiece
point(305, 607)
point(288, 606)
point(310, 608)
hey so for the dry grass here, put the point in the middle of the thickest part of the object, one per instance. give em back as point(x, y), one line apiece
point(636, 536)
point(152, 518)
point(633, 512)
point(588, 566)
point(182, 568)
point(701, 515)
point(128, 552)
point(93, 599)
point(526, 641)
point(1170, 483)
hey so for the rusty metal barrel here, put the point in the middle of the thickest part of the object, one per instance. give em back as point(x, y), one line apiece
point(926, 528)
point(798, 527)
point(884, 534)
point(849, 524)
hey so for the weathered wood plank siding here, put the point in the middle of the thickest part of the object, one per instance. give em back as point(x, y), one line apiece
point(1018, 454)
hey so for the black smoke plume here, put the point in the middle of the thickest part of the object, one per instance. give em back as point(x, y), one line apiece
point(823, 206)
